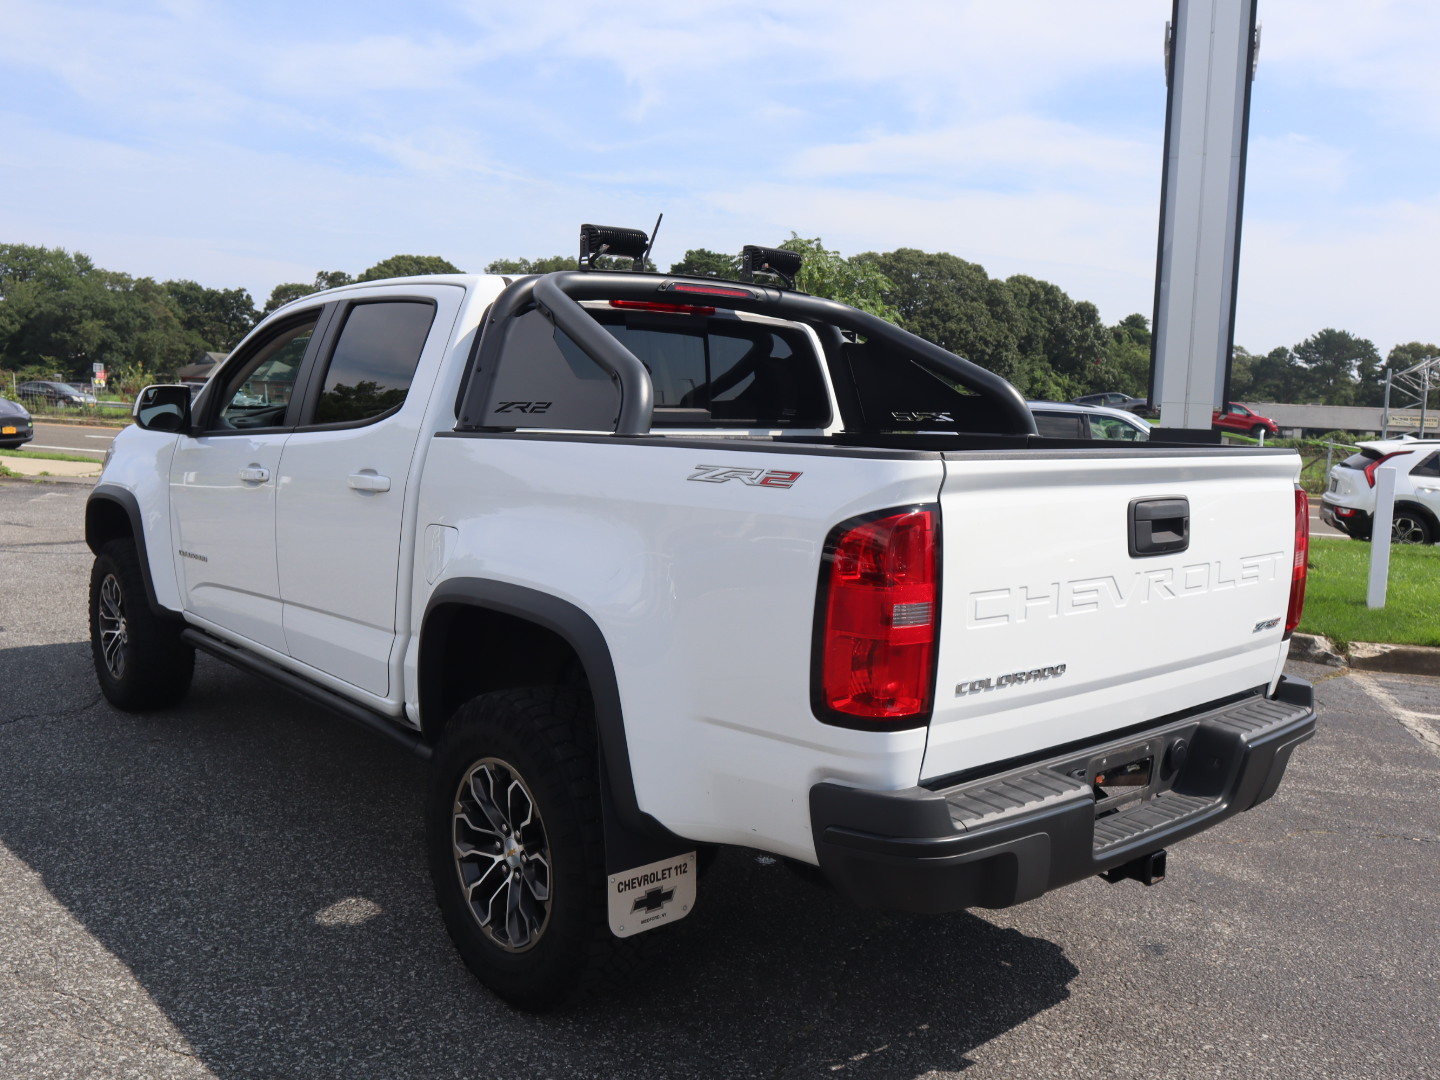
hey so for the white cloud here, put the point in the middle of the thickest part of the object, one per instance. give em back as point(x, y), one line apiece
point(1019, 151)
point(1368, 272)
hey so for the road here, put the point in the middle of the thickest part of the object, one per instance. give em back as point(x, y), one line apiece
point(72, 438)
point(236, 889)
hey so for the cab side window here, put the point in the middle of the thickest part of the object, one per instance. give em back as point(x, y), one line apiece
point(1110, 427)
point(374, 361)
point(257, 394)
point(1054, 425)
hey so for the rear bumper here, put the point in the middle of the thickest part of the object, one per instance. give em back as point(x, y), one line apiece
point(1010, 837)
point(1355, 523)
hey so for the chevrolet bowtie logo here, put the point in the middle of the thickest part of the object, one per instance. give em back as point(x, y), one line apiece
point(654, 900)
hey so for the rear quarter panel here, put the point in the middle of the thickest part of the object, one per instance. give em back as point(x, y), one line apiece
point(705, 593)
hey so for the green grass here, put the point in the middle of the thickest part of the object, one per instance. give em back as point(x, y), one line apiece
point(47, 455)
point(1335, 595)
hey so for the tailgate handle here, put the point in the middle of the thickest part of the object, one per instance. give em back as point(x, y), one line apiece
point(1159, 526)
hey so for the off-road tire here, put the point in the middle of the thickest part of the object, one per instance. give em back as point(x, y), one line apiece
point(140, 660)
point(1258, 430)
point(543, 740)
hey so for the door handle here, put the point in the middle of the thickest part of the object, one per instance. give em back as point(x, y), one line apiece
point(1159, 526)
point(254, 474)
point(368, 481)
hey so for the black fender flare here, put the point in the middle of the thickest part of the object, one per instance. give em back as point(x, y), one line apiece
point(633, 837)
point(126, 501)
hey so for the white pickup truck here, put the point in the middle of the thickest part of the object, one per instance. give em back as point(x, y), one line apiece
point(646, 564)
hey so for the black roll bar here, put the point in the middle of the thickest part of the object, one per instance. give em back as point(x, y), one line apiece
point(558, 297)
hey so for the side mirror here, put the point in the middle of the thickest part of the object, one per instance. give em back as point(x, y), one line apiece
point(163, 408)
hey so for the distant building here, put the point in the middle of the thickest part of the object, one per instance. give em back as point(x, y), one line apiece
point(198, 373)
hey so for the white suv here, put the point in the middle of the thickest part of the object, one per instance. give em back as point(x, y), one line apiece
point(1349, 500)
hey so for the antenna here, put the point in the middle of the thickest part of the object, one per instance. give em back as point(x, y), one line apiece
point(640, 262)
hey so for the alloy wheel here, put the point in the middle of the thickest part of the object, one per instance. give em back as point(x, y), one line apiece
point(502, 854)
point(1407, 529)
point(114, 634)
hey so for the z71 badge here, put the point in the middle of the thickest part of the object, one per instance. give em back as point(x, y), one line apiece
point(771, 478)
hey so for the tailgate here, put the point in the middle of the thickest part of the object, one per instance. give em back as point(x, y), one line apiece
point(1052, 631)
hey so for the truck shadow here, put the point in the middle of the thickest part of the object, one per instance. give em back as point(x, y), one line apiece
point(256, 865)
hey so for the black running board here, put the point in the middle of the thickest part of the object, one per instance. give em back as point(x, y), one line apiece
point(342, 706)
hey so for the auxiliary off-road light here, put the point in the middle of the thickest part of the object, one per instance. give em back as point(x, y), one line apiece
point(597, 240)
point(763, 260)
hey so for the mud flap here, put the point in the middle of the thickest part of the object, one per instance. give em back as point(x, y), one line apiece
point(650, 875)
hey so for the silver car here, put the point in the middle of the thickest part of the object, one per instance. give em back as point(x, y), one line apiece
point(1060, 421)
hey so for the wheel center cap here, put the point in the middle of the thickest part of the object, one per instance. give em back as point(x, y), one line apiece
point(513, 853)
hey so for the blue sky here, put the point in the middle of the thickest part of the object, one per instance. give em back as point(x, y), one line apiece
point(250, 144)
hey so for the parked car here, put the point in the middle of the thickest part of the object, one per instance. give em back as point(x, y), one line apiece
point(1349, 501)
point(1113, 399)
point(1057, 421)
point(47, 392)
point(16, 428)
point(1236, 417)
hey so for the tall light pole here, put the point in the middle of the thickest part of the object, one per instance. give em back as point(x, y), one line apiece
point(1210, 63)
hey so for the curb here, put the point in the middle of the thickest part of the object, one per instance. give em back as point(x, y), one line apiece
point(52, 478)
point(1367, 656)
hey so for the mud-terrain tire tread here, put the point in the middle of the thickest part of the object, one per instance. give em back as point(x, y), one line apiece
point(547, 735)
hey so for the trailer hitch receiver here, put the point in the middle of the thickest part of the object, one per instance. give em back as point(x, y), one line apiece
point(1147, 869)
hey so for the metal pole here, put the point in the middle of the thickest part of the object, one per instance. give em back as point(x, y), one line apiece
point(1424, 400)
point(1380, 527)
point(1210, 65)
point(1385, 418)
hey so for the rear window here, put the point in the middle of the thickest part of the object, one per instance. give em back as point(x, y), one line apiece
point(707, 371)
point(724, 370)
point(1360, 460)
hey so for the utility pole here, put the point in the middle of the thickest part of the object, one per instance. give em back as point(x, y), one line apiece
point(1210, 51)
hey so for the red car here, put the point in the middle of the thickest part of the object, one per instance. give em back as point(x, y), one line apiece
point(1236, 417)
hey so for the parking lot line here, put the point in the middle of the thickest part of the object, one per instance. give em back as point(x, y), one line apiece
point(1415, 723)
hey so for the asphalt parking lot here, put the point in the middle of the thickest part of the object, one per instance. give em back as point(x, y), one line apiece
point(236, 889)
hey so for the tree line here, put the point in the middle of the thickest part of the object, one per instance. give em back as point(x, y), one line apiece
point(60, 313)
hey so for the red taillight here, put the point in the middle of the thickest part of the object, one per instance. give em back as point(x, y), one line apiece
point(878, 597)
point(1370, 469)
point(654, 305)
point(1302, 560)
